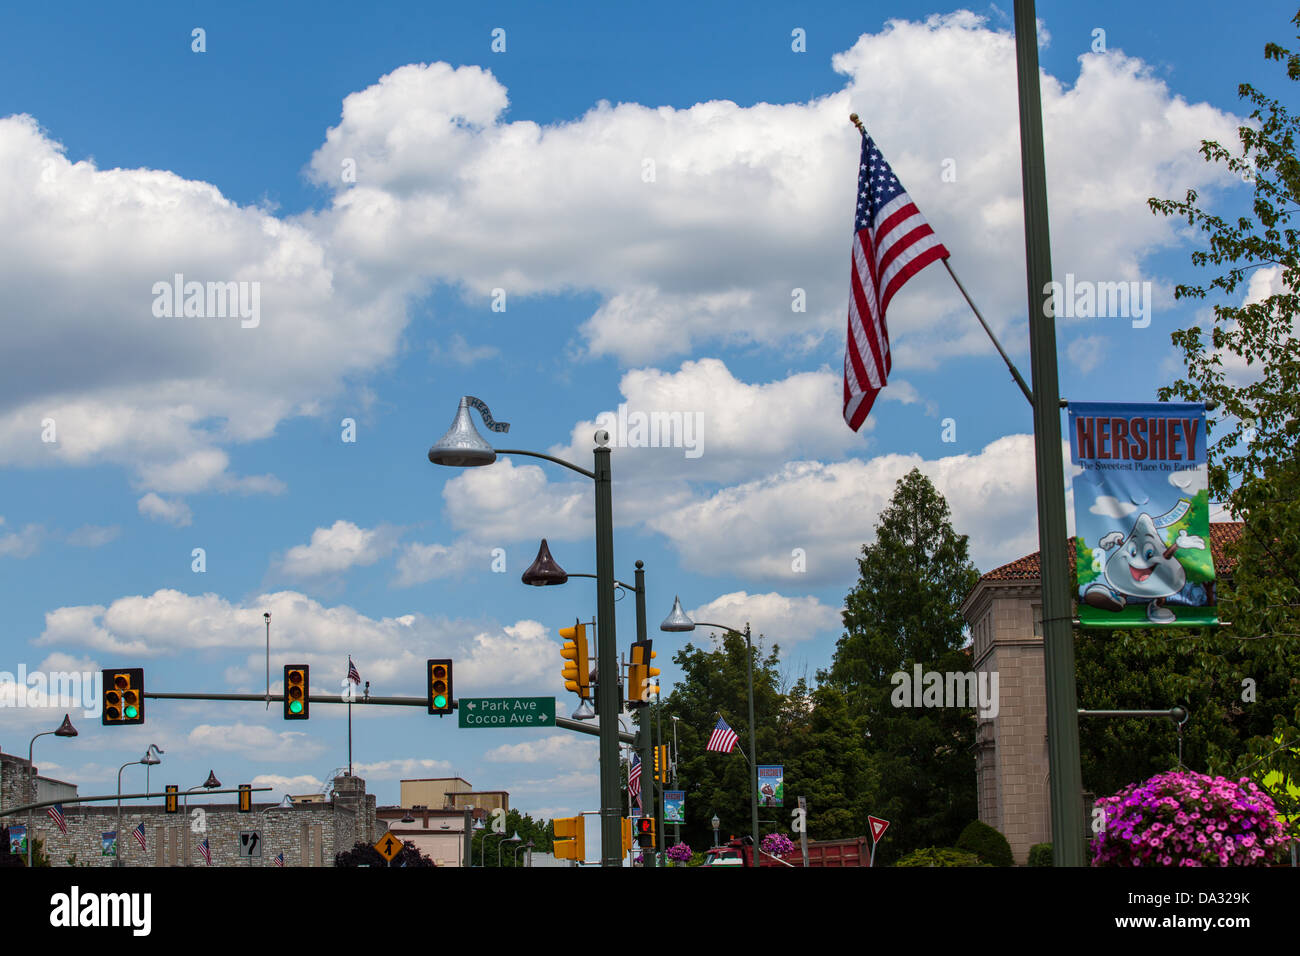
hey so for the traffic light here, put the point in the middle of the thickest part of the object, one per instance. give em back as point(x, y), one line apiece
point(171, 803)
point(440, 699)
point(123, 696)
point(297, 692)
point(245, 798)
point(661, 763)
point(627, 835)
point(642, 688)
point(577, 663)
point(568, 842)
point(645, 832)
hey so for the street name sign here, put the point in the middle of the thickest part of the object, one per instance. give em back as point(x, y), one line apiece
point(505, 712)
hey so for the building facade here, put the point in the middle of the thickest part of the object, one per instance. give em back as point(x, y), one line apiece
point(1005, 615)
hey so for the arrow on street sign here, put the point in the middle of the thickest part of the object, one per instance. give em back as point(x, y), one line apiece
point(878, 828)
point(388, 846)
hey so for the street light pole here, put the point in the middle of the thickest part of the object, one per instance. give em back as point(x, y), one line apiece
point(1066, 778)
point(65, 729)
point(678, 620)
point(462, 446)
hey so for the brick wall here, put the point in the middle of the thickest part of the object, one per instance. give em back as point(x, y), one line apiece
point(307, 834)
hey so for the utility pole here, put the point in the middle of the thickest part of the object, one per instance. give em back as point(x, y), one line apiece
point(1066, 781)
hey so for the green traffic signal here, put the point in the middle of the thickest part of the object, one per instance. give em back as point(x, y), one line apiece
point(295, 707)
point(132, 713)
point(440, 701)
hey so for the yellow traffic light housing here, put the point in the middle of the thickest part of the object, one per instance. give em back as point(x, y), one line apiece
point(441, 701)
point(577, 667)
point(171, 803)
point(661, 763)
point(245, 798)
point(642, 688)
point(627, 835)
point(297, 692)
point(123, 696)
point(569, 835)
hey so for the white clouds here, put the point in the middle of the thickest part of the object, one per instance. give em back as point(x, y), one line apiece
point(337, 548)
point(418, 563)
point(93, 536)
point(747, 203)
point(1086, 352)
point(782, 619)
point(396, 648)
point(253, 742)
point(830, 510)
point(280, 785)
point(561, 751)
point(20, 544)
point(173, 512)
point(80, 251)
point(402, 768)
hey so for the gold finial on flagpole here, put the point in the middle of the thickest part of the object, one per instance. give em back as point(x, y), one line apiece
point(853, 117)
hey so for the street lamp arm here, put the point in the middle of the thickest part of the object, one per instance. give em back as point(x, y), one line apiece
point(559, 461)
point(625, 587)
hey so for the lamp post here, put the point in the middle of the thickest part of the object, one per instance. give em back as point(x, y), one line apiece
point(716, 823)
point(157, 752)
point(149, 759)
point(678, 621)
point(514, 839)
point(677, 827)
point(545, 571)
point(212, 783)
point(65, 729)
point(463, 447)
point(522, 846)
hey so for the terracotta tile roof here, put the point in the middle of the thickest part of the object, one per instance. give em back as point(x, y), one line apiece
point(1027, 568)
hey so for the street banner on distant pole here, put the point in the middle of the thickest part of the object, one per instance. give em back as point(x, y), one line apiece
point(1141, 515)
point(674, 806)
point(18, 839)
point(771, 785)
point(108, 843)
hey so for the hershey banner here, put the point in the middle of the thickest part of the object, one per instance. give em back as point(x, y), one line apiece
point(1141, 515)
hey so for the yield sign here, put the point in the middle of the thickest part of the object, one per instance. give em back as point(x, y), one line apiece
point(878, 828)
point(388, 846)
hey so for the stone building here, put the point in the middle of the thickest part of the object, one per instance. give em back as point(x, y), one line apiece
point(1005, 614)
point(307, 834)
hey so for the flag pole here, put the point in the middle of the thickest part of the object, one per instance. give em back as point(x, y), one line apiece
point(1015, 372)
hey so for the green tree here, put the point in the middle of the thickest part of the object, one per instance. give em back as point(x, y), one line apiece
point(905, 610)
point(713, 682)
point(540, 832)
point(1250, 366)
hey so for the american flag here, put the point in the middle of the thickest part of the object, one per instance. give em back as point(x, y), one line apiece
point(634, 778)
point(205, 851)
point(279, 860)
point(891, 243)
point(353, 674)
point(722, 739)
point(138, 833)
point(56, 814)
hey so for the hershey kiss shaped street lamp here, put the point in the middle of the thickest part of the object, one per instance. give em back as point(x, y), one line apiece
point(678, 621)
point(463, 447)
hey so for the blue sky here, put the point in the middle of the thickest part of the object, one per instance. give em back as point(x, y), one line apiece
point(647, 191)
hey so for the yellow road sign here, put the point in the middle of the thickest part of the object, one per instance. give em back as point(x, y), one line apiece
point(389, 846)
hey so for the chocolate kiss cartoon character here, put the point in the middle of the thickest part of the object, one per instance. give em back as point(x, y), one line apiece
point(1141, 568)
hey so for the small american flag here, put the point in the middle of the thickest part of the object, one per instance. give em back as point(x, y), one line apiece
point(279, 860)
point(56, 814)
point(634, 777)
point(205, 851)
point(138, 833)
point(722, 739)
point(891, 243)
point(353, 674)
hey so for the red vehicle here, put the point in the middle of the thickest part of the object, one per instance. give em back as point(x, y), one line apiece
point(855, 851)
